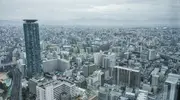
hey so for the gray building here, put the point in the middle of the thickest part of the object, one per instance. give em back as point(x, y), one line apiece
point(106, 62)
point(88, 69)
point(32, 83)
point(55, 64)
point(126, 76)
point(32, 43)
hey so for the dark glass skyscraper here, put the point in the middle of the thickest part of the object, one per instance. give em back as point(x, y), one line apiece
point(32, 43)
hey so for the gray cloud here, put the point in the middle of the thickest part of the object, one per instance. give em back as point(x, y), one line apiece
point(137, 10)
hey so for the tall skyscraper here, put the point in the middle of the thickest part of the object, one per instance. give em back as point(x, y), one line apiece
point(32, 43)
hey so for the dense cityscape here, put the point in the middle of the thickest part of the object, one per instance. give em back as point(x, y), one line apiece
point(51, 62)
point(89, 50)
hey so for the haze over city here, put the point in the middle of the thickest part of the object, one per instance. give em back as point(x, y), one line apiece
point(95, 12)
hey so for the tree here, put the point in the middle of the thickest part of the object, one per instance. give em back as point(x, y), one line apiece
point(25, 93)
point(10, 75)
point(3, 87)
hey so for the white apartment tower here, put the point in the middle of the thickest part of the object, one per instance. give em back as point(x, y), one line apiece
point(54, 89)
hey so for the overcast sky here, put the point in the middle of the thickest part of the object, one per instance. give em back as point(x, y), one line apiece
point(131, 10)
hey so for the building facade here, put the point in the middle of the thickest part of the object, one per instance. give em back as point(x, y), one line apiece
point(171, 87)
point(32, 43)
point(126, 76)
point(55, 90)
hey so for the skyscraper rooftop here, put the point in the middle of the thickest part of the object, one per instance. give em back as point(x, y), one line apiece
point(30, 20)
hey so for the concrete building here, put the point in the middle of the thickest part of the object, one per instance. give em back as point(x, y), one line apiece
point(56, 64)
point(106, 63)
point(32, 43)
point(151, 54)
point(65, 96)
point(98, 57)
point(109, 93)
point(171, 87)
point(88, 69)
point(103, 93)
point(155, 77)
point(56, 90)
point(32, 83)
point(79, 61)
point(109, 61)
point(155, 80)
point(81, 81)
point(126, 76)
point(143, 95)
point(96, 79)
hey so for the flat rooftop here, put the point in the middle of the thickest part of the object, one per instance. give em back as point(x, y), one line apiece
point(55, 83)
point(126, 68)
point(171, 80)
point(30, 20)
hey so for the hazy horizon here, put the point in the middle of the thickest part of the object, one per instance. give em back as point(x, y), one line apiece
point(98, 12)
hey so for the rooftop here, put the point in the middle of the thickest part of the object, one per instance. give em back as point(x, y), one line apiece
point(30, 20)
point(126, 68)
point(172, 80)
point(55, 83)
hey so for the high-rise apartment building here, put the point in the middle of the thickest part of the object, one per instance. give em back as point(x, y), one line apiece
point(106, 63)
point(32, 43)
point(98, 57)
point(152, 54)
point(171, 87)
point(55, 90)
point(126, 76)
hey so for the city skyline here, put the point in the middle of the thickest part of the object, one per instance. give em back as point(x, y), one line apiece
point(90, 50)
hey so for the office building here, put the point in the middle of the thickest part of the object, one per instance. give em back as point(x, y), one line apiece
point(79, 61)
point(109, 93)
point(126, 76)
point(152, 54)
point(56, 64)
point(32, 83)
point(81, 81)
point(155, 80)
point(109, 60)
point(155, 77)
point(116, 49)
point(103, 93)
point(143, 95)
point(106, 63)
point(32, 43)
point(88, 69)
point(96, 79)
point(140, 48)
point(98, 57)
